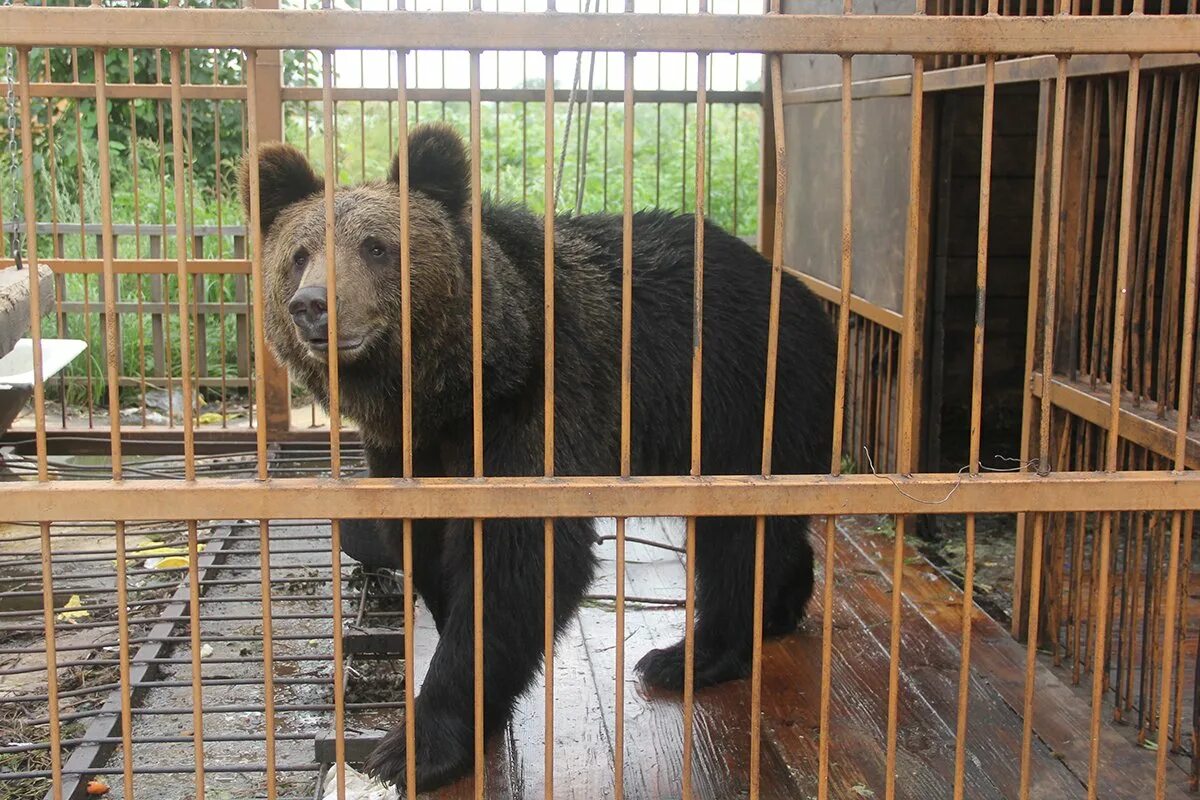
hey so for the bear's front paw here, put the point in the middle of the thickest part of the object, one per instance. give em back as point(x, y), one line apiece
point(663, 668)
point(443, 754)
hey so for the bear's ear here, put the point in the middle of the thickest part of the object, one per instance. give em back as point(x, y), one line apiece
point(284, 177)
point(438, 166)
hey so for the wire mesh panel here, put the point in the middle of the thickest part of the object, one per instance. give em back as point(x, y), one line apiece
point(534, 429)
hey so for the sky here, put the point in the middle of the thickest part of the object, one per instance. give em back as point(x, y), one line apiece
point(432, 69)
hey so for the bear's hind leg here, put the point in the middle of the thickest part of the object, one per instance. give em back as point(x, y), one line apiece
point(786, 599)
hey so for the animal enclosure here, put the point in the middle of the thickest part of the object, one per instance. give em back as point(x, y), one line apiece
point(997, 202)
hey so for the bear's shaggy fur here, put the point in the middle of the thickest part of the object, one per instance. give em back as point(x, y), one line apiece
point(587, 411)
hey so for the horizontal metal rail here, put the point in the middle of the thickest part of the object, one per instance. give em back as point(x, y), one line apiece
point(456, 498)
point(95, 26)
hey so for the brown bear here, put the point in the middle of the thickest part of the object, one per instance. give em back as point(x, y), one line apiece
point(587, 256)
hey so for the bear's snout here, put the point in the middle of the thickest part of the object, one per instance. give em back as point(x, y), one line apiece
point(309, 309)
point(310, 313)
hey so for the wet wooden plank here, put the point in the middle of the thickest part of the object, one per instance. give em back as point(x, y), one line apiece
point(585, 698)
point(1061, 714)
point(515, 758)
point(930, 656)
point(654, 720)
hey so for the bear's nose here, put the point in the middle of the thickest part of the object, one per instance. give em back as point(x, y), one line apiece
point(309, 310)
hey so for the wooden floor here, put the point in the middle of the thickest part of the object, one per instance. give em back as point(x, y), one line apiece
point(585, 709)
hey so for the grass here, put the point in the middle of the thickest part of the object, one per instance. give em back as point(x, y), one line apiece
point(14, 720)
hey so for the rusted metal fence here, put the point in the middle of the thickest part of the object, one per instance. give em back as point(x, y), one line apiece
point(1114, 214)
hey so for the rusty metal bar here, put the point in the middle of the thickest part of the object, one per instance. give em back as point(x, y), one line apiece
point(626, 412)
point(1049, 317)
point(981, 266)
point(913, 34)
point(908, 372)
point(109, 292)
point(188, 412)
point(1041, 161)
point(406, 405)
point(477, 409)
point(696, 422)
point(548, 334)
point(254, 223)
point(1111, 446)
point(329, 190)
point(39, 406)
point(771, 371)
point(1183, 407)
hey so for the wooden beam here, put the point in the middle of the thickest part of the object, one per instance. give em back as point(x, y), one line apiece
point(1136, 425)
point(450, 498)
point(263, 28)
point(858, 305)
point(269, 105)
point(1021, 70)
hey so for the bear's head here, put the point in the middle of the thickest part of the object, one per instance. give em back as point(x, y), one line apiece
point(367, 235)
point(366, 247)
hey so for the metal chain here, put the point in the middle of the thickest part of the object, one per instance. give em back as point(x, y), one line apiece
point(11, 149)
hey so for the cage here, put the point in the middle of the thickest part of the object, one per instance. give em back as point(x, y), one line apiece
point(996, 204)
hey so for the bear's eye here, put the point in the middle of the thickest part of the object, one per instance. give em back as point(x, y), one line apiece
point(375, 248)
point(300, 258)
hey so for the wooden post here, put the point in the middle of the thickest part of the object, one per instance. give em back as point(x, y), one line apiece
point(277, 415)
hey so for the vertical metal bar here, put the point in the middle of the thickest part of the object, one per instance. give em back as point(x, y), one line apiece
point(1091, 145)
point(843, 357)
point(335, 417)
point(39, 416)
point(1048, 320)
point(1168, 334)
point(548, 410)
point(1115, 381)
point(626, 406)
point(1183, 408)
point(981, 265)
point(1020, 585)
point(907, 400)
point(760, 523)
point(737, 121)
point(254, 225)
point(477, 404)
point(189, 445)
point(406, 432)
point(79, 161)
point(1185, 565)
point(697, 373)
point(114, 401)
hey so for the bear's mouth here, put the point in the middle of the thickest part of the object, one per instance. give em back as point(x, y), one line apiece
point(346, 347)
